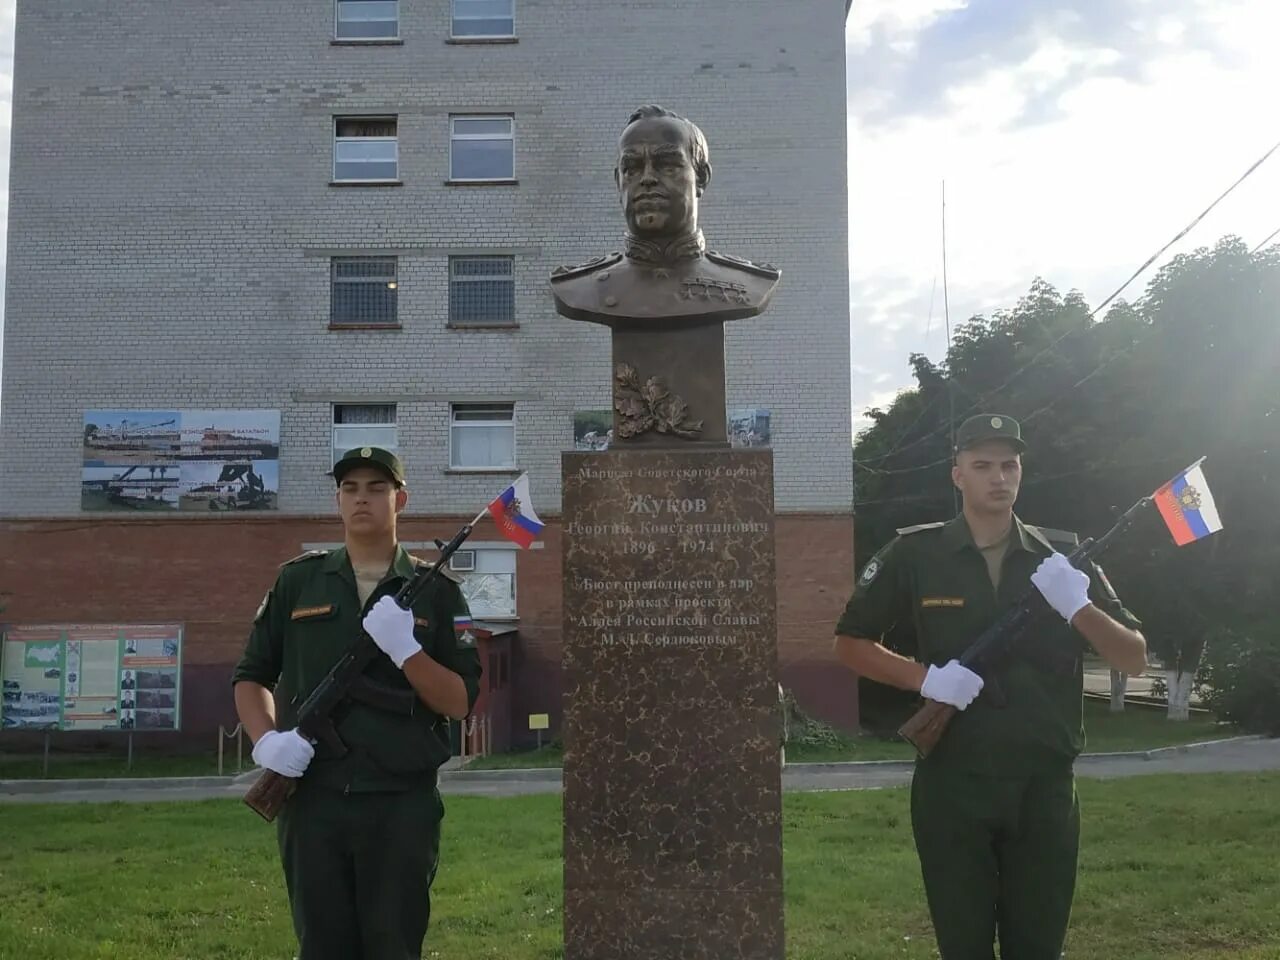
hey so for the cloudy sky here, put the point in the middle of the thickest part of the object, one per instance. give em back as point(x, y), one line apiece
point(1076, 137)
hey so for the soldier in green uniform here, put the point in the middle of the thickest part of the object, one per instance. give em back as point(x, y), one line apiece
point(359, 839)
point(993, 807)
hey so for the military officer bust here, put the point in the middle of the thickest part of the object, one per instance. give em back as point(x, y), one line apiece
point(664, 275)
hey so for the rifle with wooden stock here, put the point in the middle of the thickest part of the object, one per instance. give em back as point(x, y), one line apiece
point(346, 680)
point(926, 726)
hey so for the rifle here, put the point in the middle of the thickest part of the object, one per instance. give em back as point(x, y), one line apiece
point(926, 726)
point(345, 679)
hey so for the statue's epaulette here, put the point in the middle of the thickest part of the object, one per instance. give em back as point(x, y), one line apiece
point(728, 260)
point(1055, 536)
point(564, 272)
point(907, 531)
point(310, 554)
point(445, 570)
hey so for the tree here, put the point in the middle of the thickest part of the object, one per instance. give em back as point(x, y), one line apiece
point(1111, 409)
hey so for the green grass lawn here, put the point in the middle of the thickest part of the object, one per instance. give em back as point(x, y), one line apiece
point(1139, 727)
point(1172, 868)
point(28, 766)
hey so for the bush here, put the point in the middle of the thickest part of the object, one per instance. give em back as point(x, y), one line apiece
point(1241, 676)
point(800, 729)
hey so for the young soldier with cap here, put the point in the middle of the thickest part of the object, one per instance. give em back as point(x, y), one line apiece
point(359, 839)
point(993, 807)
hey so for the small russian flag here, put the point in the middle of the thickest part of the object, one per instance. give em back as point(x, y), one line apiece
point(1187, 506)
point(512, 510)
point(462, 622)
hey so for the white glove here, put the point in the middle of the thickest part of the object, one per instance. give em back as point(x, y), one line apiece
point(1065, 587)
point(391, 627)
point(286, 753)
point(954, 684)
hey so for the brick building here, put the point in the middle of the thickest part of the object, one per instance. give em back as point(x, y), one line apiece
point(311, 225)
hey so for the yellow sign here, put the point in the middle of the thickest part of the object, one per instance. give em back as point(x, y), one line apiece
point(539, 721)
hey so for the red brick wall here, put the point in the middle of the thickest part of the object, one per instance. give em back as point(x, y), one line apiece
point(210, 574)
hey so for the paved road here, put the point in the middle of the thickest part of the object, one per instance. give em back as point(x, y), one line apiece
point(1229, 756)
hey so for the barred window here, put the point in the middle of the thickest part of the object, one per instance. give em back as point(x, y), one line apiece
point(367, 20)
point(484, 18)
point(482, 436)
point(482, 148)
point(482, 291)
point(363, 425)
point(365, 149)
point(363, 290)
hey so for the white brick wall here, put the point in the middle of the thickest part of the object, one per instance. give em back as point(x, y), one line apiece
point(171, 220)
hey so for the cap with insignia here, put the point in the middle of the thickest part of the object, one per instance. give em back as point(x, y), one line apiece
point(989, 426)
point(382, 460)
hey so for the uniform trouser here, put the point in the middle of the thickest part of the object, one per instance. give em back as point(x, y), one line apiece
point(359, 869)
point(998, 856)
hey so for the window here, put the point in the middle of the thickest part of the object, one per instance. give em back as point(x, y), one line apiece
point(482, 148)
point(365, 149)
point(482, 291)
point(363, 290)
point(363, 425)
point(482, 436)
point(484, 18)
point(490, 589)
point(367, 20)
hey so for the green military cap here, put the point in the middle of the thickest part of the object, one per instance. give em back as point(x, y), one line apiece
point(376, 457)
point(988, 426)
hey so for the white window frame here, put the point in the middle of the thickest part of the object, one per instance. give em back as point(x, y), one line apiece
point(337, 35)
point(454, 137)
point(508, 423)
point(453, 23)
point(485, 557)
point(337, 449)
point(485, 278)
point(394, 140)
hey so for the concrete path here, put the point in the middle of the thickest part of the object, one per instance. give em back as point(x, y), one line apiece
point(1242, 754)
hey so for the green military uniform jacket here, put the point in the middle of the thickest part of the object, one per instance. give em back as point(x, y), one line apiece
point(933, 579)
point(309, 618)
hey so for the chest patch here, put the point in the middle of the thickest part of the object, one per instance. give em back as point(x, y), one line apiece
point(942, 601)
point(421, 622)
point(310, 613)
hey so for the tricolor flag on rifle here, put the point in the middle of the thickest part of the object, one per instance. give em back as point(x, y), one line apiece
point(1187, 506)
point(512, 510)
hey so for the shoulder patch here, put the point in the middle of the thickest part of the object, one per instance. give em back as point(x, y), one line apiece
point(728, 260)
point(870, 571)
point(309, 555)
point(907, 531)
point(445, 570)
point(1055, 536)
point(567, 272)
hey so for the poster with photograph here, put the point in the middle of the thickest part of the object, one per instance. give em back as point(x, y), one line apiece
point(749, 427)
point(91, 677)
point(205, 460)
point(592, 429)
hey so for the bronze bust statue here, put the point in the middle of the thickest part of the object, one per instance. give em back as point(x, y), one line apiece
point(665, 295)
point(664, 274)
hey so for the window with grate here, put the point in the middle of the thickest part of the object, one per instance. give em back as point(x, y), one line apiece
point(482, 291)
point(363, 290)
point(365, 149)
